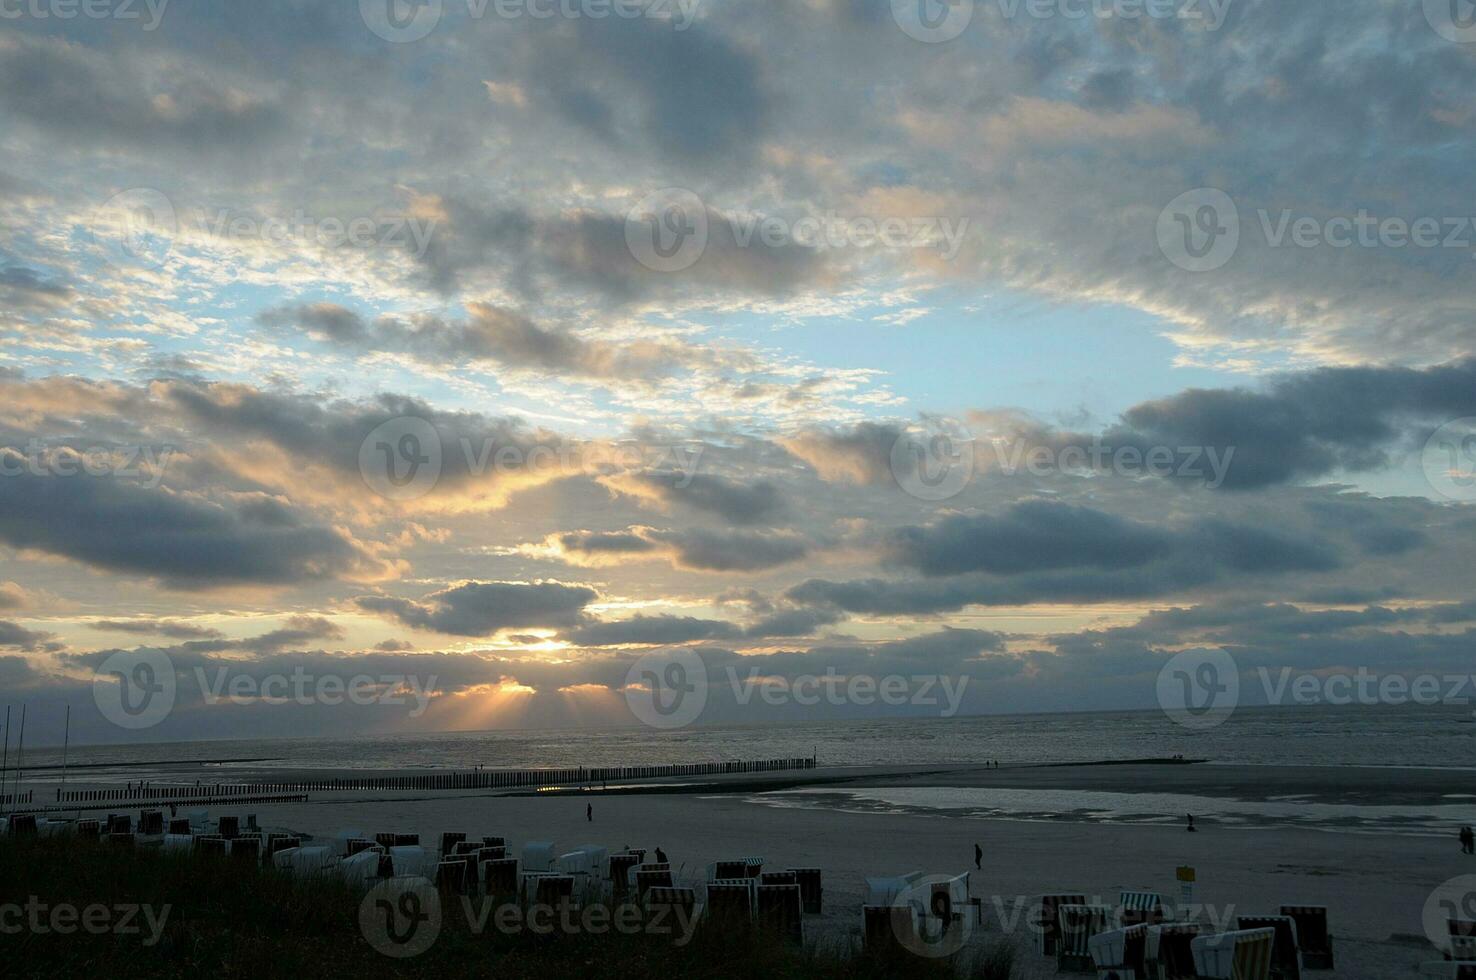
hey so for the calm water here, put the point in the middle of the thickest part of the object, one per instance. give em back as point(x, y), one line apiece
point(1381, 736)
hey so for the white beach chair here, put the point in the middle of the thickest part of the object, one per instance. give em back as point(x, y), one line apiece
point(1118, 953)
point(360, 869)
point(538, 856)
point(341, 841)
point(413, 860)
point(1244, 954)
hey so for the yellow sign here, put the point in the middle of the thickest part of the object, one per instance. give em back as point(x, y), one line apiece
point(1186, 873)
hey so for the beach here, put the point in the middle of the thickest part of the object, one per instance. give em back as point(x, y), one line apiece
point(1374, 876)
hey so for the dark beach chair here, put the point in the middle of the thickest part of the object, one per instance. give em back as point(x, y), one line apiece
point(554, 891)
point(1312, 934)
point(780, 911)
point(1078, 924)
point(246, 849)
point(151, 822)
point(90, 828)
point(229, 827)
point(1286, 957)
point(778, 878)
point(1046, 921)
point(180, 825)
point(728, 870)
point(450, 840)
point(647, 877)
point(810, 890)
point(730, 901)
point(451, 877)
point(618, 871)
point(1168, 951)
point(668, 909)
point(212, 844)
point(500, 877)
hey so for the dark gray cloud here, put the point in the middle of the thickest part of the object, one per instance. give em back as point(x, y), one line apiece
point(733, 551)
point(187, 541)
point(16, 636)
point(155, 627)
point(738, 503)
point(483, 608)
point(651, 630)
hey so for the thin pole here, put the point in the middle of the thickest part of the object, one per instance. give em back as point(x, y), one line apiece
point(20, 755)
point(66, 741)
point(5, 759)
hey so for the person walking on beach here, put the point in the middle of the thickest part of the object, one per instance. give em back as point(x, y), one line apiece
point(1191, 823)
point(978, 857)
point(589, 812)
point(1468, 841)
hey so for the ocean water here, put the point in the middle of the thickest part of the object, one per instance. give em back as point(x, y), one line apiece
point(1413, 735)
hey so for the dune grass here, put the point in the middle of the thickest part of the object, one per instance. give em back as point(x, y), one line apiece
point(223, 918)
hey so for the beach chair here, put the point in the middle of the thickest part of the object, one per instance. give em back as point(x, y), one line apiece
point(889, 927)
point(229, 827)
point(778, 878)
point(1118, 953)
point(779, 911)
point(617, 871)
point(811, 892)
point(118, 823)
point(1286, 957)
point(646, 877)
point(177, 844)
point(93, 828)
point(727, 870)
point(730, 900)
point(360, 869)
point(461, 847)
point(1458, 930)
point(180, 825)
point(753, 867)
point(278, 842)
point(1462, 949)
point(494, 841)
point(451, 876)
point(1167, 951)
point(246, 849)
point(1312, 934)
point(122, 840)
point(500, 877)
point(198, 819)
point(1141, 907)
point(411, 861)
point(151, 822)
point(553, 891)
point(357, 845)
point(1077, 925)
point(1045, 921)
point(407, 840)
point(1240, 955)
point(449, 841)
point(212, 844)
point(538, 856)
point(883, 892)
point(667, 909)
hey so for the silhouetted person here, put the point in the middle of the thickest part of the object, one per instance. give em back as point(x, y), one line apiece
point(660, 856)
point(1191, 823)
point(978, 857)
point(589, 812)
point(1468, 841)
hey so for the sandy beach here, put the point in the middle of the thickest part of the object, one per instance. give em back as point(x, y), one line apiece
point(1375, 884)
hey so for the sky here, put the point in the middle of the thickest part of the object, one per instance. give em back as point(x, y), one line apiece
point(511, 362)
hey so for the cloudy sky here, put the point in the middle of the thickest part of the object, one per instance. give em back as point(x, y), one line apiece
point(508, 343)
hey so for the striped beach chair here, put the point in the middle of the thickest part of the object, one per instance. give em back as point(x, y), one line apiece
point(1167, 952)
point(1140, 907)
point(727, 870)
point(649, 876)
point(779, 910)
point(753, 867)
point(810, 890)
point(1313, 936)
point(1078, 924)
point(1118, 953)
point(500, 877)
point(1286, 957)
point(449, 840)
point(730, 900)
point(1244, 954)
point(616, 870)
point(668, 909)
point(1044, 921)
